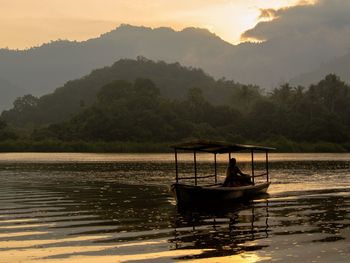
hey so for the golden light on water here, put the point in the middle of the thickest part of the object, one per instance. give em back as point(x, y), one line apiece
point(241, 258)
point(78, 218)
point(21, 234)
point(27, 246)
point(40, 251)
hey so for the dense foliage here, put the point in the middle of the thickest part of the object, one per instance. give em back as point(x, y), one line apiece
point(173, 81)
point(5, 133)
point(138, 112)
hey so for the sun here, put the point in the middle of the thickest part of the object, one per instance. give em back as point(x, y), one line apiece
point(245, 16)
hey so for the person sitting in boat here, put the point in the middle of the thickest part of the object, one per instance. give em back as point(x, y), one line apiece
point(235, 177)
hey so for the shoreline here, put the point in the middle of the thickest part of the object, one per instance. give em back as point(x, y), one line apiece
point(56, 146)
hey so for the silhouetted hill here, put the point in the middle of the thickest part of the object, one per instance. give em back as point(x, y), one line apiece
point(281, 57)
point(173, 80)
point(42, 69)
point(132, 113)
point(8, 93)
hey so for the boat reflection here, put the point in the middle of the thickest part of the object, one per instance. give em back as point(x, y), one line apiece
point(221, 231)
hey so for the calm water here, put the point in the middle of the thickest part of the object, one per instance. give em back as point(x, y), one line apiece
point(117, 208)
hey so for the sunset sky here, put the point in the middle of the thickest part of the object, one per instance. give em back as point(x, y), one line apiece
point(27, 23)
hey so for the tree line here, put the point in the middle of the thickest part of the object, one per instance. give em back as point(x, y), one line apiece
point(173, 81)
point(316, 118)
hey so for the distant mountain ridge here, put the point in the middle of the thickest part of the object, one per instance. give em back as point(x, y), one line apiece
point(173, 80)
point(41, 69)
point(339, 66)
point(8, 92)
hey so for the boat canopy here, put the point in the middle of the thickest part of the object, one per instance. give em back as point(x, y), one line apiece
point(217, 147)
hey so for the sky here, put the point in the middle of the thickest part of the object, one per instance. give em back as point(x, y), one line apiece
point(28, 23)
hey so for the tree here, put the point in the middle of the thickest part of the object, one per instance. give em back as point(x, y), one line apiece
point(5, 133)
point(3, 124)
point(25, 103)
point(195, 97)
point(244, 97)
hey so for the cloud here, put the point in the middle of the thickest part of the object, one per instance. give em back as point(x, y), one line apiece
point(295, 40)
point(329, 18)
point(267, 14)
point(30, 22)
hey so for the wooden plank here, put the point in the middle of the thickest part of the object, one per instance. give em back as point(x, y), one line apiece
point(198, 177)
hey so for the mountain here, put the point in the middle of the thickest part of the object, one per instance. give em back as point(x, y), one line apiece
point(338, 66)
point(42, 69)
point(269, 63)
point(173, 80)
point(125, 113)
point(8, 93)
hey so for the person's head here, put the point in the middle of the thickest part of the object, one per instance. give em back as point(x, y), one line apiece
point(232, 162)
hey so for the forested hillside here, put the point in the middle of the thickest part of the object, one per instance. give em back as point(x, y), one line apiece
point(173, 81)
point(127, 111)
point(281, 56)
point(39, 70)
point(339, 65)
point(316, 118)
point(8, 92)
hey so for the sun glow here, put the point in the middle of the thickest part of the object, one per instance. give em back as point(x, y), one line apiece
point(27, 23)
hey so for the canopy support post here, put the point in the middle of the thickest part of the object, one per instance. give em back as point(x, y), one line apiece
point(267, 166)
point(176, 168)
point(253, 179)
point(216, 178)
point(195, 167)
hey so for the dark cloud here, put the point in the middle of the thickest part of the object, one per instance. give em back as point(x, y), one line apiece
point(267, 13)
point(297, 40)
point(326, 17)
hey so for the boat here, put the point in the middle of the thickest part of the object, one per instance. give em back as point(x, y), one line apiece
point(196, 192)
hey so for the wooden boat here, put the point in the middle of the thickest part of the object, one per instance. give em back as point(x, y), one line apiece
point(216, 193)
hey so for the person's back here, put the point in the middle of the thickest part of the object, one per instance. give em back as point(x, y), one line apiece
point(234, 176)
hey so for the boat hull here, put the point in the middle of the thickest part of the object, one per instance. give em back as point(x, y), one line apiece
point(189, 194)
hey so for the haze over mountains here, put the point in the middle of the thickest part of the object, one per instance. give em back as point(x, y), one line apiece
point(40, 70)
point(299, 40)
point(339, 65)
point(173, 81)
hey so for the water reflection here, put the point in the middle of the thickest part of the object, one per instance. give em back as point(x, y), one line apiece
point(222, 231)
point(124, 213)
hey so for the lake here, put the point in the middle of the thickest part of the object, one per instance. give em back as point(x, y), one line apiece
point(76, 207)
